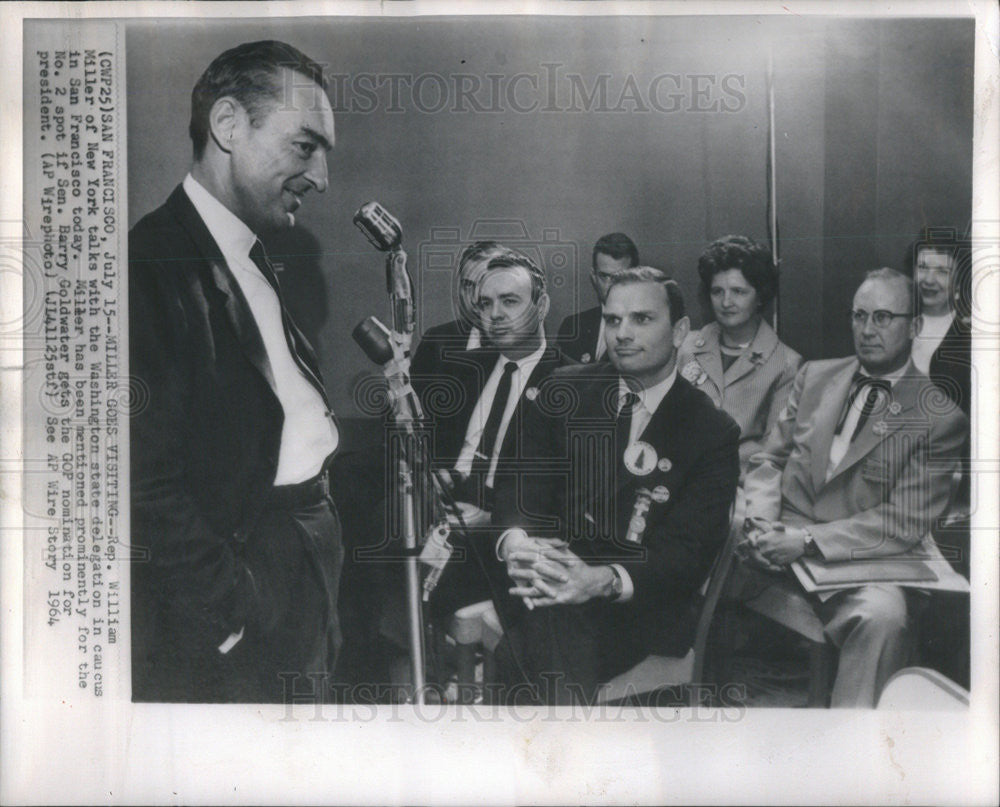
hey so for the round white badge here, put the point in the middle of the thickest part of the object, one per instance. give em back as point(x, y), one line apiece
point(664, 465)
point(640, 458)
point(585, 358)
point(660, 494)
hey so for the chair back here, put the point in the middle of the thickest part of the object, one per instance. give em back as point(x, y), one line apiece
point(717, 578)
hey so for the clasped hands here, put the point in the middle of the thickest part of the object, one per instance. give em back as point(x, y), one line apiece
point(770, 546)
point(546, 572)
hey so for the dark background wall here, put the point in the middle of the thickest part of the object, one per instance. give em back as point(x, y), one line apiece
point(873, 129)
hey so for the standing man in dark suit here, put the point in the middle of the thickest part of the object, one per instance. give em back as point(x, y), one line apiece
point(465, 332)
point(623, 504)
point(235, 536)
point(476, 434)
point(581, 336)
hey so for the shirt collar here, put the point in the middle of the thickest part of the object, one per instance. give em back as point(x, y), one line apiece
point(892, 377)
point(234, 238)
point(527, 361)
point(650, 397)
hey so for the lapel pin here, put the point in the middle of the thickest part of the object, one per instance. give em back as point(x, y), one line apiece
point(879, 428)
point(895, 408)
point(585, 358)
point(699, 342)
point(660, 494)
point(640, 458)
point(664, 465)
point(531, 393)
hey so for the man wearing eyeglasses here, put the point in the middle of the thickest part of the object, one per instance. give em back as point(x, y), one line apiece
point(858, 467)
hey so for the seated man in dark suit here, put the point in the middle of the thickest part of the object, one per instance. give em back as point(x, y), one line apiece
point(464, 332)
point(858, 467)
point(476, 422)
point(623, 503)
point(581, 335)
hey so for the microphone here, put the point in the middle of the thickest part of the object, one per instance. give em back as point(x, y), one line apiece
point(380, 227)
point(376, 341)
point(384, 232)
point(373, 338)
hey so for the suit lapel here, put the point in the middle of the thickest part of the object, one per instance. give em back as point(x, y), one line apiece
point(882, 422)
point(825, 419)
point(764, 344)
point(551, 359)
point(708, 356)
point(234, 304)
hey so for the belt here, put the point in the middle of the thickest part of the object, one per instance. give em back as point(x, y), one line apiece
point(301, 494)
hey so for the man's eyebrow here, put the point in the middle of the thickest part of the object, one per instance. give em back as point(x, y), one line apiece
point(317, 136)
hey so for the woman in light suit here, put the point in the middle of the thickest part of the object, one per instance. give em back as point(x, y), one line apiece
point(737, 359)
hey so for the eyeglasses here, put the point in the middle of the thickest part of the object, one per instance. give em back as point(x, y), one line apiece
point(881, 318)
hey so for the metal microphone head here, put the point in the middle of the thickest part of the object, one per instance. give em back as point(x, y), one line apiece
point(379, 226)
point(373, 338)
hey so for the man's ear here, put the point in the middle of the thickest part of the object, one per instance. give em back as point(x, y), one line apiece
point(543, 306)
point(223, 120)
point(681, 330)
point(916, 325)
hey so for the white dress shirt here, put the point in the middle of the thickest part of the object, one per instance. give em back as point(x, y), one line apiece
point(308, 434)
point(475, 339)
point(841, 442)
point(481, 412)
point(649, 400)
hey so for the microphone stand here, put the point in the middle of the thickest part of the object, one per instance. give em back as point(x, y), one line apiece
point(391, 350)
point(407, 412)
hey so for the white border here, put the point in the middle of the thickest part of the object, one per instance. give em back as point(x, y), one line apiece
point(222, 754)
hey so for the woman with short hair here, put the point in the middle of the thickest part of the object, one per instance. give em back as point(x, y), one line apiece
point(737, 358)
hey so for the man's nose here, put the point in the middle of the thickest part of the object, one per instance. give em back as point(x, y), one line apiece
point(496, 310)
point(317, 172)
point(869, 328)
point(623, 333)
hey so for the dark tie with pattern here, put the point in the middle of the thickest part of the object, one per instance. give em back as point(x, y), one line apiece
point(484, 454)
point(875, 387)
point(292, 337)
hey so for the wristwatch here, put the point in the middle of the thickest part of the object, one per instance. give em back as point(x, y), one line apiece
point(616, 584)
point(811, 549)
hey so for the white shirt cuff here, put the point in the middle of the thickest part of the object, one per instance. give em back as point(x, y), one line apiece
point(628, 589)
point(231, 642)
point(502, 538)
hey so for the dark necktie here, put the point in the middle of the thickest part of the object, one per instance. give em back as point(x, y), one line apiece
point(484, 455)
point(261, 261)
point(859, 383)
point(623, 422)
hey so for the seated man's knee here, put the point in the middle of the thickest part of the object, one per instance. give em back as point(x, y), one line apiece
point(882, 609)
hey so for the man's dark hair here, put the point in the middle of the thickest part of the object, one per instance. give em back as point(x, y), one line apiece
point(511, 258)
point(250, 73)
point(751, 257)
point(649, 274)
point(617, 246)
point(478, 250)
